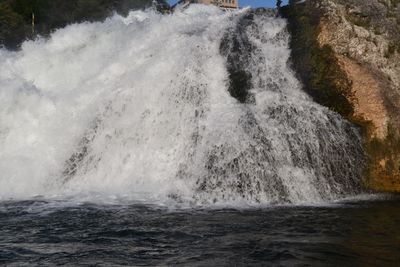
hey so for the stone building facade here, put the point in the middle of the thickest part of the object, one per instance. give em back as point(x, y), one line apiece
point(231, 4)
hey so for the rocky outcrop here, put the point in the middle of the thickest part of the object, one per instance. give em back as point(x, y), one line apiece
point(347, 52)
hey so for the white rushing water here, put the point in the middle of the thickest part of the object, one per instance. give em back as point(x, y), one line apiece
point(140, 107)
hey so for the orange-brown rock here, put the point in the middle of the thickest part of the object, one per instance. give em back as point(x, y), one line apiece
point(365, 39)
point(366, 98)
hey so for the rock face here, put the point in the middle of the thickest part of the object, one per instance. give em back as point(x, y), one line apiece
point(347, 52)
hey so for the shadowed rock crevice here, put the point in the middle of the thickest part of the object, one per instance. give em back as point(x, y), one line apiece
point(237, 47)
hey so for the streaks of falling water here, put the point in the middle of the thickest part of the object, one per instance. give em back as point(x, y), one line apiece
point(198, 106)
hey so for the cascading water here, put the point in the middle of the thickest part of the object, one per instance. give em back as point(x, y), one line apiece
point(198, 106)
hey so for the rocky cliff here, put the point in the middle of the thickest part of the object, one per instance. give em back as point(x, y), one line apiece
point(347, 53)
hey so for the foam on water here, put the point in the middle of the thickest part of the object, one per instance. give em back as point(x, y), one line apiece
point(139, 107)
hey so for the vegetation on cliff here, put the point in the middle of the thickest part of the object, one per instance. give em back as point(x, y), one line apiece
point(16, 15)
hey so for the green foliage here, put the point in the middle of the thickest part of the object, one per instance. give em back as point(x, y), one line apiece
point(9, 17)
point(25, 8)
point(16, 15)
point(11, 24)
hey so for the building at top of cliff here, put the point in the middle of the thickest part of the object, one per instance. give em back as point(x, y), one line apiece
point(226, 4)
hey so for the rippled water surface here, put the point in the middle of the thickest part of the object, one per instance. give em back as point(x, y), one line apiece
point(41, 233)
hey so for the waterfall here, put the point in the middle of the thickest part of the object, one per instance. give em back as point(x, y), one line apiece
point(200, 106)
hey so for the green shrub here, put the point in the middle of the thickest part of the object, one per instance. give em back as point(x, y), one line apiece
point(11, 25)
point(16, 15)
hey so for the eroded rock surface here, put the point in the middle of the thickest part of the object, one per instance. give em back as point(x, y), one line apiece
point(362, 41)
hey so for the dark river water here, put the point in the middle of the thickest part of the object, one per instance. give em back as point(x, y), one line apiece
point(40, 233)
